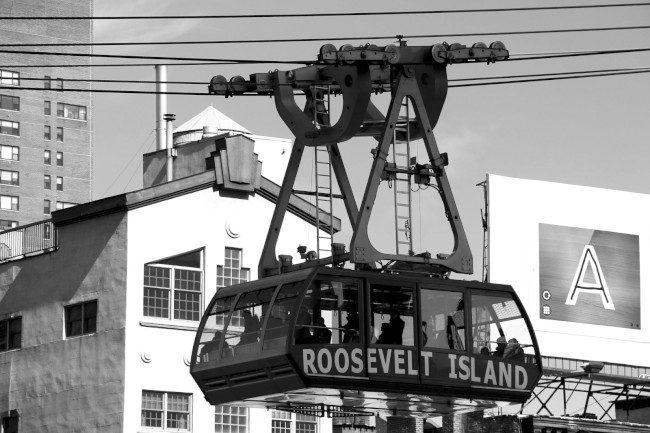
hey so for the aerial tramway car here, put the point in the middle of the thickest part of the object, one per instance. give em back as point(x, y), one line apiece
point(401, 338)
point(340, 337)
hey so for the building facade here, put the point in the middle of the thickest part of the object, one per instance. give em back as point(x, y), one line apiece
point(45, 132)
point(96, 335)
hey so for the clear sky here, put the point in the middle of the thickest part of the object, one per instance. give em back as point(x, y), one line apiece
point(590, 131)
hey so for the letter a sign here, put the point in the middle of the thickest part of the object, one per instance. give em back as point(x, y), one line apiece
point(589, 262)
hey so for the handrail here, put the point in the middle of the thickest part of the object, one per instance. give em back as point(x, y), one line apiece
point(35, 238)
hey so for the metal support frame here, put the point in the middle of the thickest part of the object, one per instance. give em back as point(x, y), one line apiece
point(415, 74)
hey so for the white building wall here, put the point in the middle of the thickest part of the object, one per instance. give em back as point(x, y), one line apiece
point(200, 220)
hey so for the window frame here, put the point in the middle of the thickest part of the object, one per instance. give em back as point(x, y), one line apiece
point(47, 132)
point(9, 342)
point(86, 321)
point(68, 111)
point(47, 82)
point(15, 152)
point(14, 102)
point(47, 108)
point(165, 411)
point(15, 177)
point(238, 413)
point(59, 159)
point(14, 199)
point(14, 78)
point(47, 157)
point(47, 207)
point(59, 183)
point(47, 181)
point(243, 273)
point(59, 134)
point(15, 126)
point(172, 306)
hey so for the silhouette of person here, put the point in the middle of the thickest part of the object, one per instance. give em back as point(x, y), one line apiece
point(387, 336)
point(425, 337)
point(397, 327)
point(302, 333)
point(513, 350)
point(351, 333)
point(210, 349)
point(251, 332)
point(501, 347)
point(321, 334)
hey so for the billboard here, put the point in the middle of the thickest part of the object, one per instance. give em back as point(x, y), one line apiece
point(589, 276)
point(575, 256)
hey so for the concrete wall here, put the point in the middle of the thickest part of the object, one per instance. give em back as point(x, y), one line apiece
point(67, 384)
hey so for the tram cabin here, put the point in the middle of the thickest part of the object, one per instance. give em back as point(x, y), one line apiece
point(384, 341)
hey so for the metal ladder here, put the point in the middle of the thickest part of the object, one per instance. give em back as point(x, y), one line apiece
point(402, 182)
point(323, 175)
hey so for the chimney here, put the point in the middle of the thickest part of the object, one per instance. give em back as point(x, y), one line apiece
point(161, 105)
point(169, 118)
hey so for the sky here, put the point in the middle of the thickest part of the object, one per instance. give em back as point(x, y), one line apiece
point(590, 131)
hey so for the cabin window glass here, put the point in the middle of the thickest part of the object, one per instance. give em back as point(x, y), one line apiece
point(212, 333)
point(443, 319)
point(498, 329)
point(330, 313)
point(230, 419)
point(243, 331)
point(282, 311)
point(392, 314)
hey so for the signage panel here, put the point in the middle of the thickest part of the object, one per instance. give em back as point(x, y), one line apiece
point(589, 276)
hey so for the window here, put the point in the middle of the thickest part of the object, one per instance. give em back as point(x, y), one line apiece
point(47, 181)
point(8, 224)
point(9, 103)
point(9, 78)
point(59, 159)
point(231, 272)
point(71, 111)
point(47, 132)
point(10, 423)
point(59, 183)
point(166, 410)
point(64, 205)
point(8, 202)
point(443, 319)
point(8, 177)
point(11, 334)
point(47, 108)
point(9, 128)
point(59, 133)
point(392, 314)
point(174, 284)
point(282, 422)
point(47, 157)
point(46, 207)
point(10, 152)
point(47, 82)
point(230, 419)
point(81, 319)
point(59, 84)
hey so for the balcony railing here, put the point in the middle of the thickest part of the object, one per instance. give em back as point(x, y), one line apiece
point(30, 239)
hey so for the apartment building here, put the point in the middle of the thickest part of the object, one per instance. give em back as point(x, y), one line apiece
point(45, 132)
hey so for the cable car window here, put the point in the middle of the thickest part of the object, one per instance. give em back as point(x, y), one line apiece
point(498, 329)
point(329, 313)
point(443, 319)
point(281, 313)
point(212, 333)
point(243, 332)
point(392, 314)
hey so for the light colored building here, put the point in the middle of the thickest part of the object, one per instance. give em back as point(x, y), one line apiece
point(46, 132)
point(96, 334)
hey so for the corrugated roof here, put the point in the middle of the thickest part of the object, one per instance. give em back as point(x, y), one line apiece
point(211, 117)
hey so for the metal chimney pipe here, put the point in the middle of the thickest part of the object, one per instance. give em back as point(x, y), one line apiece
point(169, 118)
point(161, 105)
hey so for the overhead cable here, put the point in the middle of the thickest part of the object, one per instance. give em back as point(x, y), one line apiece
point(331, 14)
point(330, 39)
point(485, 83)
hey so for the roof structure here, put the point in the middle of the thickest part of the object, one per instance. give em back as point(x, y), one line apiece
point(212, 118)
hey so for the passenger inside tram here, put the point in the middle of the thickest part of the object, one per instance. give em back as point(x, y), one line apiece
point(501, 347)
point(211, 348)
point(251, 332)
point(351, 328)
point(321, 334)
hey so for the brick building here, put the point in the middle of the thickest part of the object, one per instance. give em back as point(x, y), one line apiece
point(45, 133)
